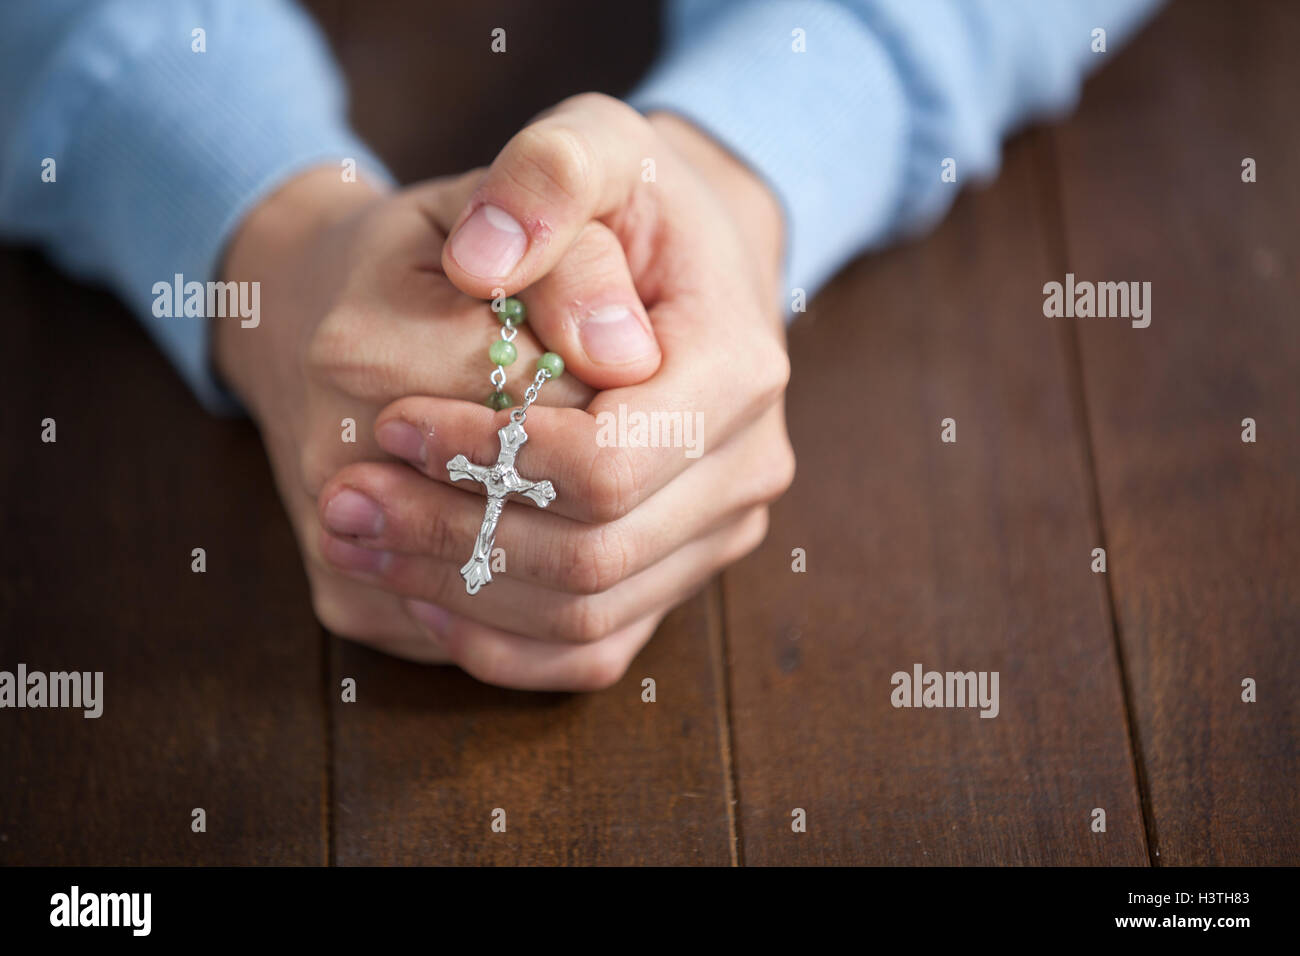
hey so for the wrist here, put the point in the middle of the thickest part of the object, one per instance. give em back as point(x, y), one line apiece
point(302, 207)
point(265, 246)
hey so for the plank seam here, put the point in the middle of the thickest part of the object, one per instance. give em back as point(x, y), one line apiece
point(1077, 390)
point(721, 656)
point(327, 773)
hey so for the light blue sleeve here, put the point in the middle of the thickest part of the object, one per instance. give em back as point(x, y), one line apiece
point(159, 150)
point(848, 108)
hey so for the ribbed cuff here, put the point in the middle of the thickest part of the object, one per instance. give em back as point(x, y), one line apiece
point(825, 128)
point(168, 149)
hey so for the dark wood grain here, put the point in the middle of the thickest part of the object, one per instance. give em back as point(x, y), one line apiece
point(432, 98)
point(773, 687)
point(965, 556)
point(212, 682)
point(426, 756)
point(1203, 529)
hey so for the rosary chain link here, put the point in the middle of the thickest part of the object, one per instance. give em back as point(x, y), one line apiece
point(530, 396)
point(498, 376)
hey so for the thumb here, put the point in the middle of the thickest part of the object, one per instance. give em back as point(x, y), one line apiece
point(579, 162)
point(587, 309)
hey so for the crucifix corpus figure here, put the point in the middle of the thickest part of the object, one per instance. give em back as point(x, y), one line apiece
point(498, 481)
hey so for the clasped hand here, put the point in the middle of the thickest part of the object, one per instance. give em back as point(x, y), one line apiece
point(661, 296)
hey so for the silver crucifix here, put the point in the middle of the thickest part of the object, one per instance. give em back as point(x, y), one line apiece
point(498, 480)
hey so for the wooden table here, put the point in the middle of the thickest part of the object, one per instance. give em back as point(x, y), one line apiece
point(1120, 691)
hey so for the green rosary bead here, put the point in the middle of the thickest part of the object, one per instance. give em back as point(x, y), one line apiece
point(552, 363)
point(499, 400)
point(502, 352)
point(512, 311)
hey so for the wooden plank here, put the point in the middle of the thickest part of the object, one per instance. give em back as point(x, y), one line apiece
point(426, 754)
point(432, 98)
point(1203, 530)
point(971, 556)
point(211, 682)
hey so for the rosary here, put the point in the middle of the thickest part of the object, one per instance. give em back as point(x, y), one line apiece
point(502, 479)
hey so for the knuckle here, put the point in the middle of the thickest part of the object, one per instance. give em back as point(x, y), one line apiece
point(333, 348)
point(441, 539)
point(597, 559)
point(789, 468)
point(316, 469)
point(597, 102)
point(752, 532)
point(748, 536)
point(761, 523)
point(441, 580)
point(600, 669)
point(347, 354)
point(613, 113)
point(775, 376)
point(581, 621)
point(490, 662)
point(333, 613)
point(415, 576)
point(778, 479)
point(613, 484)
point(596, 254)
point(554, 158)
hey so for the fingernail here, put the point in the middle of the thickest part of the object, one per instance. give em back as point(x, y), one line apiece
point(430, 615)
point(352, 557)
point(351, 512)
point(614, 336)
point(403, 440)
point(489, 243)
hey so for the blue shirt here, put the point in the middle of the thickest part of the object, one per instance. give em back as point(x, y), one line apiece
point(162, 138)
